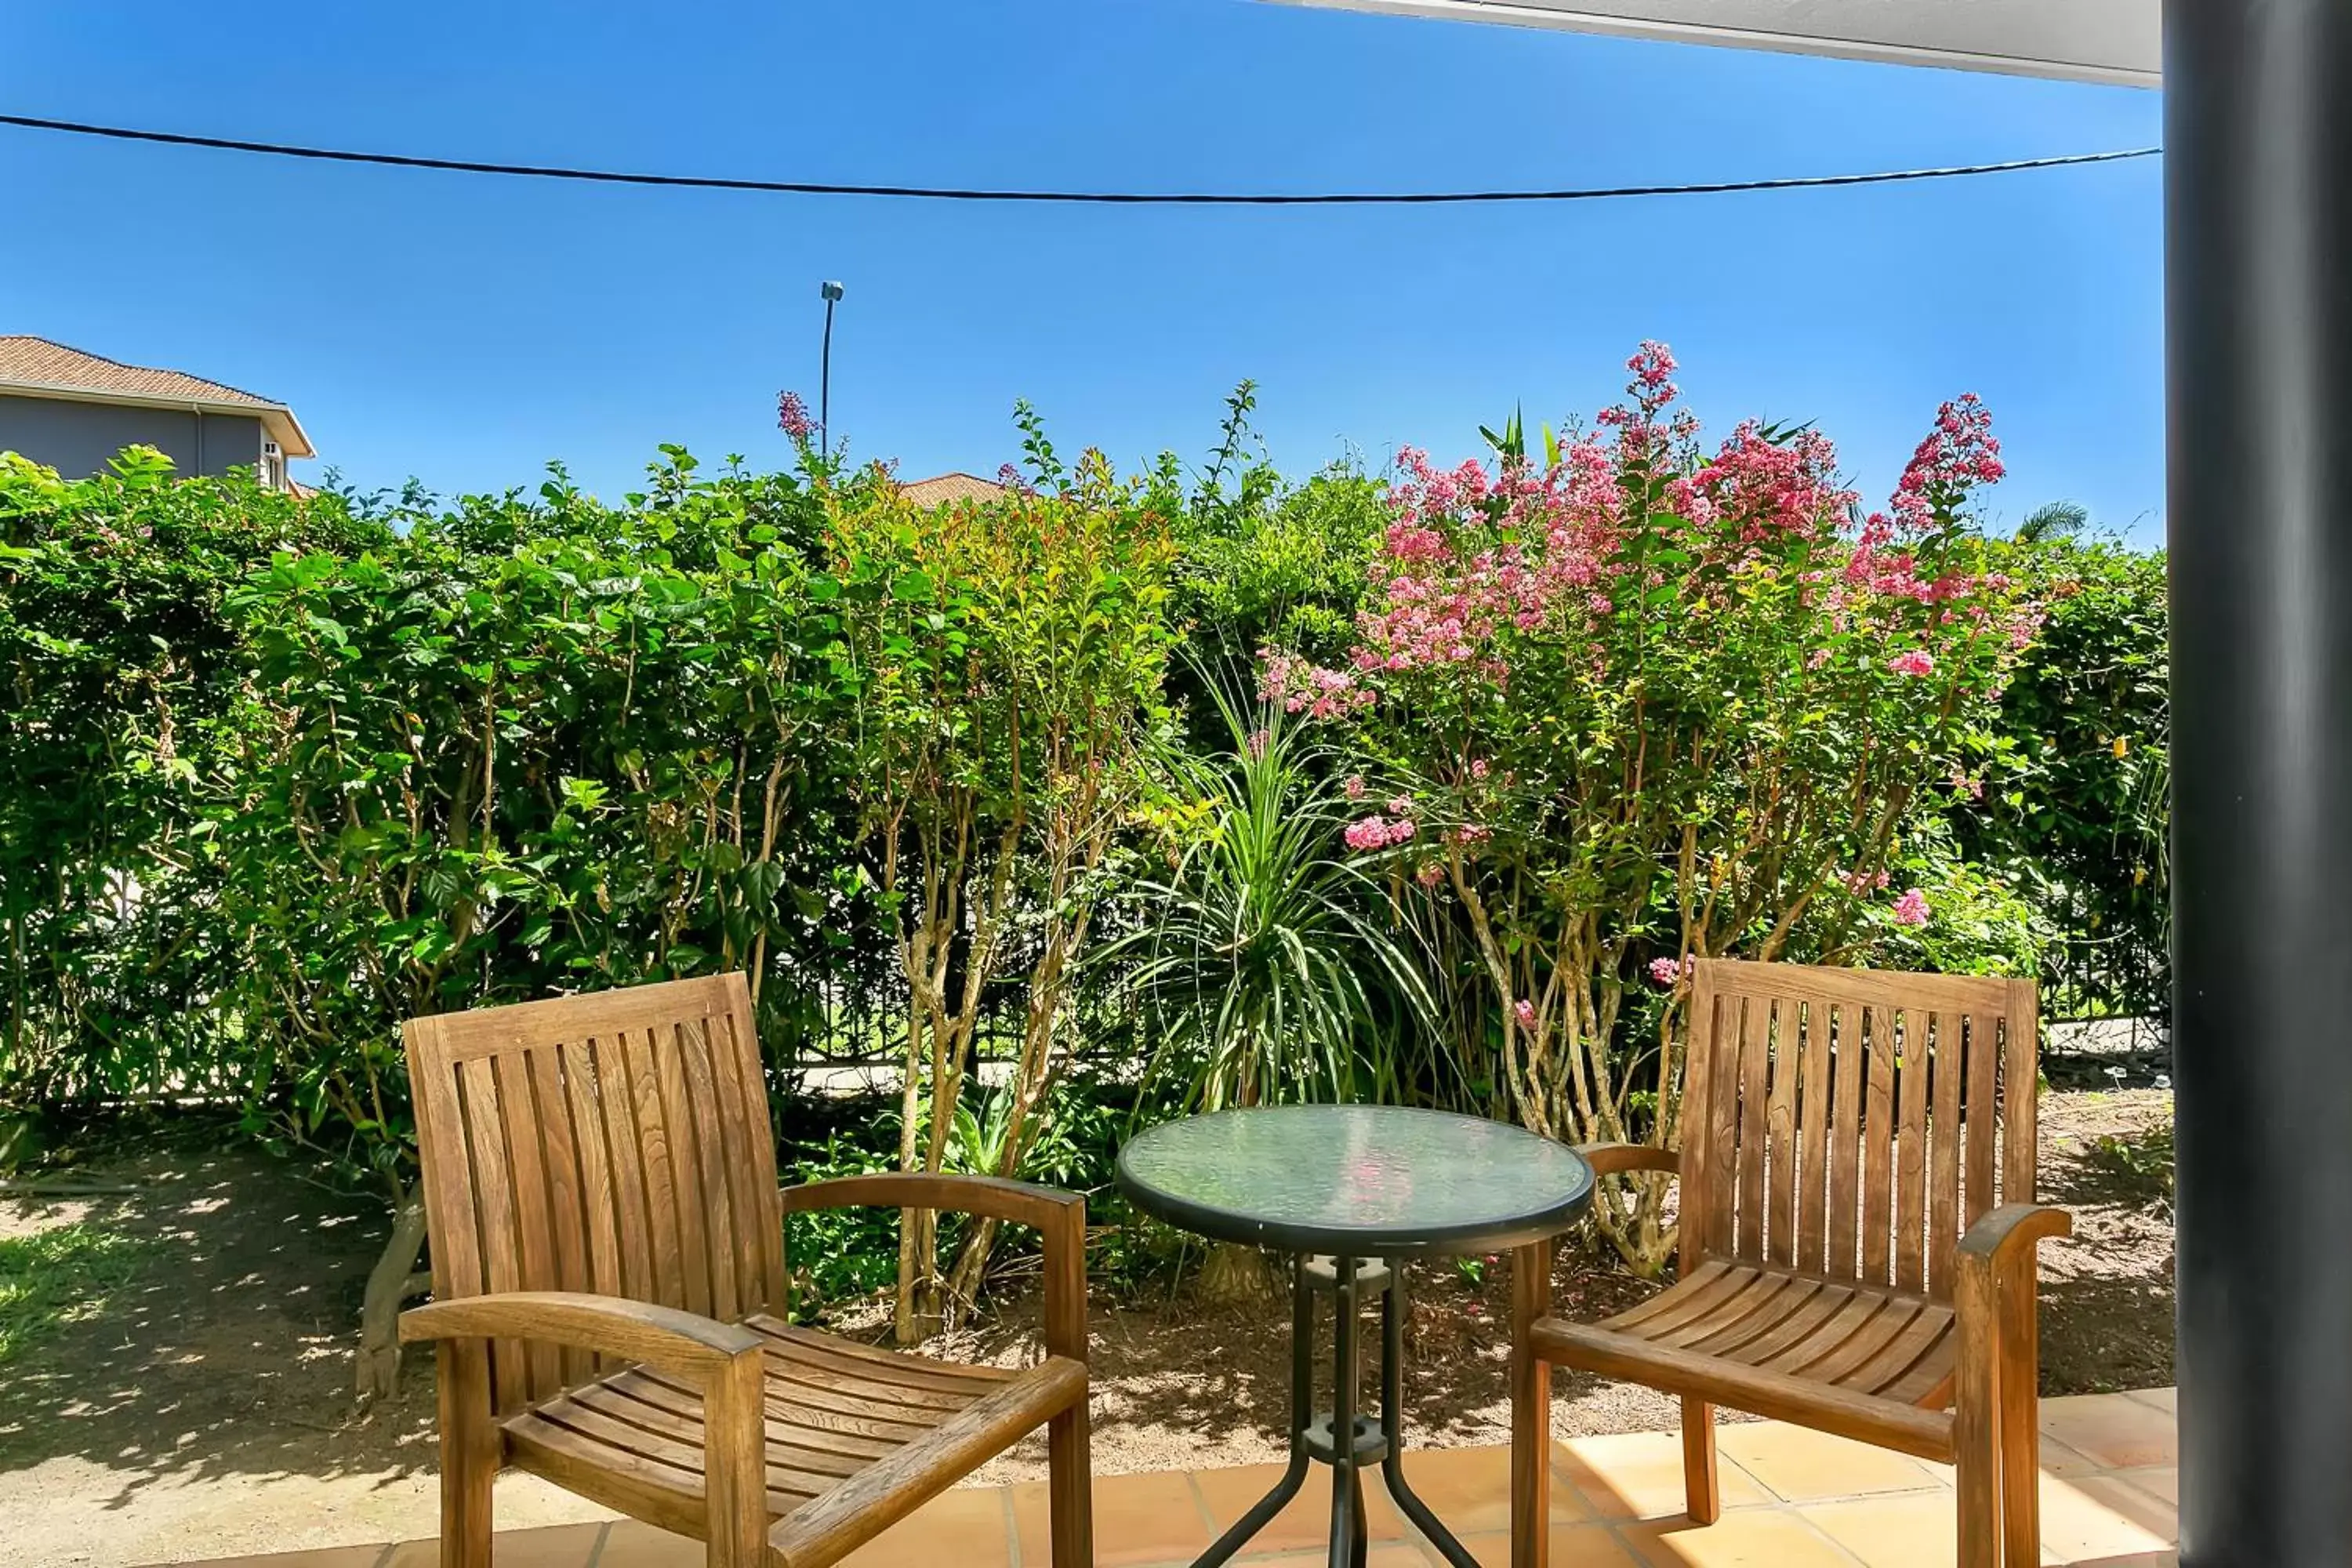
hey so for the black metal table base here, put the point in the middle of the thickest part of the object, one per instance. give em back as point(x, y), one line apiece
point(1371, 1442)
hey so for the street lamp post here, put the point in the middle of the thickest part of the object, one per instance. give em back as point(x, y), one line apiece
point(831, 292)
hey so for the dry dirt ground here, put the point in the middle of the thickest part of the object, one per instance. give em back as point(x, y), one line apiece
point(207, 1410)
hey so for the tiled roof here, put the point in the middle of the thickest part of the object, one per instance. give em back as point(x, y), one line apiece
point(30, 362)
point(941, 488)
point(54, 364)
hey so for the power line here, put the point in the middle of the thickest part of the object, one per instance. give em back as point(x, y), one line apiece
point(1109, 198)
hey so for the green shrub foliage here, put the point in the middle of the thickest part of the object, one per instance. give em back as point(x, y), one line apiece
point(277, 772)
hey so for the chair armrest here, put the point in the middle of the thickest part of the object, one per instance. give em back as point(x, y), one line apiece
point(1059, 1217)
point(2009, 1233)
point(1612, 1159)
point(663, 1338)
point(990, 1197)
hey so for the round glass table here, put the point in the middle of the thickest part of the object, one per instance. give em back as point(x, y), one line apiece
point(1353, 1191)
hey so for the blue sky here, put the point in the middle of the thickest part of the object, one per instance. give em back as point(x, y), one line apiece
point(465, 329)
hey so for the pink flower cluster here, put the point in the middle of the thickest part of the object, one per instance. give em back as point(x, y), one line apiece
point(1766, 489)
point(1447, 603)
point(1666, 970)
point(1911, 908)
point(793, 416)
point(1377, 832)
point(1302, 686)
point(1654, 367)
point(1960, 452)
point(1525, 1011)
point(1499, 580)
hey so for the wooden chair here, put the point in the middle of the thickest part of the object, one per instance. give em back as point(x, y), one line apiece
point(1857, 1240)
point(609, 1299)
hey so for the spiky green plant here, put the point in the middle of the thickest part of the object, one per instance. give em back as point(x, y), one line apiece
point(1268, 966)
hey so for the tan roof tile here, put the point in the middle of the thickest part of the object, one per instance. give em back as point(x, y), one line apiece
point(942, 489)
point(30, 362)
point(54, 364)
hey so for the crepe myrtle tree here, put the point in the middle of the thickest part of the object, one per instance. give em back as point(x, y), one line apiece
point(1645, 701)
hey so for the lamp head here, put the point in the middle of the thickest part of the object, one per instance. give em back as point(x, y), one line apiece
point(829, 290)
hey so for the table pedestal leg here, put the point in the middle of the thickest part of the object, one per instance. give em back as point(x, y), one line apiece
point(1302, 1416)
point(1319, 1439)
point(1392, 1314)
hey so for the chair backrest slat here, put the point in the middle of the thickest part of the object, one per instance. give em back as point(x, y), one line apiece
point(1716, 1080)
point(1811, 1015)
point(1785, 1056)
point(1849, 1124)
point(2019, 1065)
point(1842, 1229)
point(616, 1142)
point(567, 1208)
point(1945, 1067)
point(1983, 1088)
point(1878, 1148)
point(1755, 1025)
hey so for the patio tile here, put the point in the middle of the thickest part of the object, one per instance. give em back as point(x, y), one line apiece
point(1638, 1475)
point(2092, 1520)
point(2116, 1430)
point(2141, 1505)
point(2162, 1480)
point(1383, 1554)
point(323, 1557)
point(965, 1527)
point(1572, 1546)
point(1805, 1466)
point(1758, 1538)
point(631, 1543)
point(1138, 1521)
point(2165, 1399)
point(553, 1546)
point(1305, 1522)
point(2057, 1460)
point(1912, 1530)
point(1469, 1489)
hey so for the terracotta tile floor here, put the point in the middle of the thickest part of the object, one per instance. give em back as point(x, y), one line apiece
point(1792, 1499)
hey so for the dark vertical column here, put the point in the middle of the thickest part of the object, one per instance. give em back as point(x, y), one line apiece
point(2259, 256)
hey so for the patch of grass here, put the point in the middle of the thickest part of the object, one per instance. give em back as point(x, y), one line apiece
point(2139, 1165)
point(56, 1276)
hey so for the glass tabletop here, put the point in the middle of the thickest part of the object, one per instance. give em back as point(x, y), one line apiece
point(1362, 1180)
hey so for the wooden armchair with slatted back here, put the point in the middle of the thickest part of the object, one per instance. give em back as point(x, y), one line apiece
point(609, 1298)
point(1857, 1240)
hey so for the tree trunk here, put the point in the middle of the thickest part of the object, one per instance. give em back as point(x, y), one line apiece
point(1234, 1275)
point(392, 1281)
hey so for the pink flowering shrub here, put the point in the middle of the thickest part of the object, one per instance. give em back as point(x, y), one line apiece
point(793, 416)
point(1656, 700)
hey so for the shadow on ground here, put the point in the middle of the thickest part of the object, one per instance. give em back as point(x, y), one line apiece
point(228, 1350)
point(2107, 1290)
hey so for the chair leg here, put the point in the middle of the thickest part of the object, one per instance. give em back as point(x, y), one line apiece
point(1530, 1410)
point(2020, 1427)
point(1070, 1489)
point(470, 1452)
point(1699, 1488)
point(1975, 1422)
point(735, 1464)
